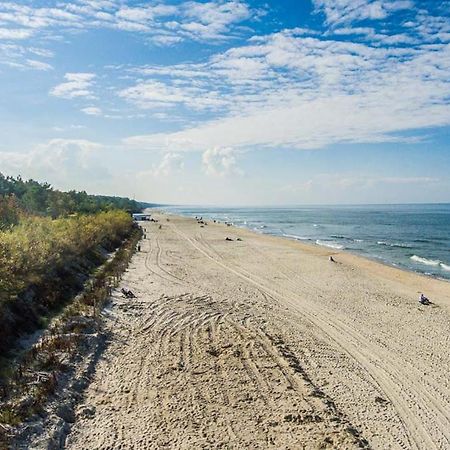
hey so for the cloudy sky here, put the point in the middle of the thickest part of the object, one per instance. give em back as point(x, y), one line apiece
point(229, 101)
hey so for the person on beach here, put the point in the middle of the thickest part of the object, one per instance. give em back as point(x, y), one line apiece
point(331, 259)
point(424, 300)
point(127, 293)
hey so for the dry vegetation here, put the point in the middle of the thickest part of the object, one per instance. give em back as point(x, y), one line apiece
point(43, 262)
point(30, 380)
point(61, 253)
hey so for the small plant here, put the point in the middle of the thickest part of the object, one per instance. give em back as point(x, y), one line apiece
point(9, 417)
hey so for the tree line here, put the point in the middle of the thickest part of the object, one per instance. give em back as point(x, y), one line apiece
point(20, 198)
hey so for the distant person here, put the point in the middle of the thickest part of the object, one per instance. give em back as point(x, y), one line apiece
point(424, 300)
point(331, 259)
point(128, 293)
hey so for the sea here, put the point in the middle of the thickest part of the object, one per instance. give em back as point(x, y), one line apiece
point(414, 237)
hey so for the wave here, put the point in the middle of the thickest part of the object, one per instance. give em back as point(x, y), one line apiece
point(427, 262)
point(330, 244)
point(298, 238)
point(394, 244)
point(445, 267)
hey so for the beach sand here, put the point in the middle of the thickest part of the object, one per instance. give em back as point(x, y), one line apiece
point(264, 343)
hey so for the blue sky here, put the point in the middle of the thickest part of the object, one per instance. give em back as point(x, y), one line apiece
point(229, 101)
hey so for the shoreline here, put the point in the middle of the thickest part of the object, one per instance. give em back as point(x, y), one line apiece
point(347, 255)
point(376, 245)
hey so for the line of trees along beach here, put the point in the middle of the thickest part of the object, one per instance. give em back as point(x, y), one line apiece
point(50, 243)
point(29, 197)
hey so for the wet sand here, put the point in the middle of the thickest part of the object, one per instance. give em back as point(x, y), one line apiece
point(264, 343)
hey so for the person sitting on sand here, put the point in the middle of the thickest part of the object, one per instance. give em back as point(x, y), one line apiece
point(127, 293)
point(423, 300)
point(331, 259)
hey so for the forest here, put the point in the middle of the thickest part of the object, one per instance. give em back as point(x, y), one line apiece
point(23, 198)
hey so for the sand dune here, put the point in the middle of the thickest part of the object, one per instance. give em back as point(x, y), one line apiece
point(264, 343)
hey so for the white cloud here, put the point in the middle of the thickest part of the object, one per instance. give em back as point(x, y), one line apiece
point(39, 65)
point(220, 161)
point(23, 57)
point(165, 23)
point(300, 92)
point(171, 163)
point(68, 128)
point(58, 161)
point(212, 20)
point(92, 111)
point(77, 85)
point(15, 34)
point(147, 13)
point(166, 40)
point(154, 94)
point(347, 11)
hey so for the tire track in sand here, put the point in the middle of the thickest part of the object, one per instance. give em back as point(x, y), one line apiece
point(380, 372)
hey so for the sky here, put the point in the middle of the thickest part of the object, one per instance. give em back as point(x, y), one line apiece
point(229, 102)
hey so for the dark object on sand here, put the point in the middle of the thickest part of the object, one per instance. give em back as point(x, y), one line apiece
point(424, 300)
point(160, 227)
point(228, 239)
point(239, 239)
point(331, 259)
point(128, 293)
point(138, 248)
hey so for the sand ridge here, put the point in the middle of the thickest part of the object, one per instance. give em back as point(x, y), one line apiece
point(264, 343)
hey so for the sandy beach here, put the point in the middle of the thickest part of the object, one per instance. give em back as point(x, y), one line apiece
point(261, 342)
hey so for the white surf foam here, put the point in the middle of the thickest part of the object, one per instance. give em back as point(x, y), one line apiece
point(427, 262)
point(298, 238)
point(393, 244)
point(330, 244)
point(445, 267)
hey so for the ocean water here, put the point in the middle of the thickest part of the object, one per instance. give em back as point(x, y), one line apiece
point(412, 237)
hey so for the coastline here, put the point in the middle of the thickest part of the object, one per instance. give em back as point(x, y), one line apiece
point(261, 333)
point(347, 255)
point(410, 238)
